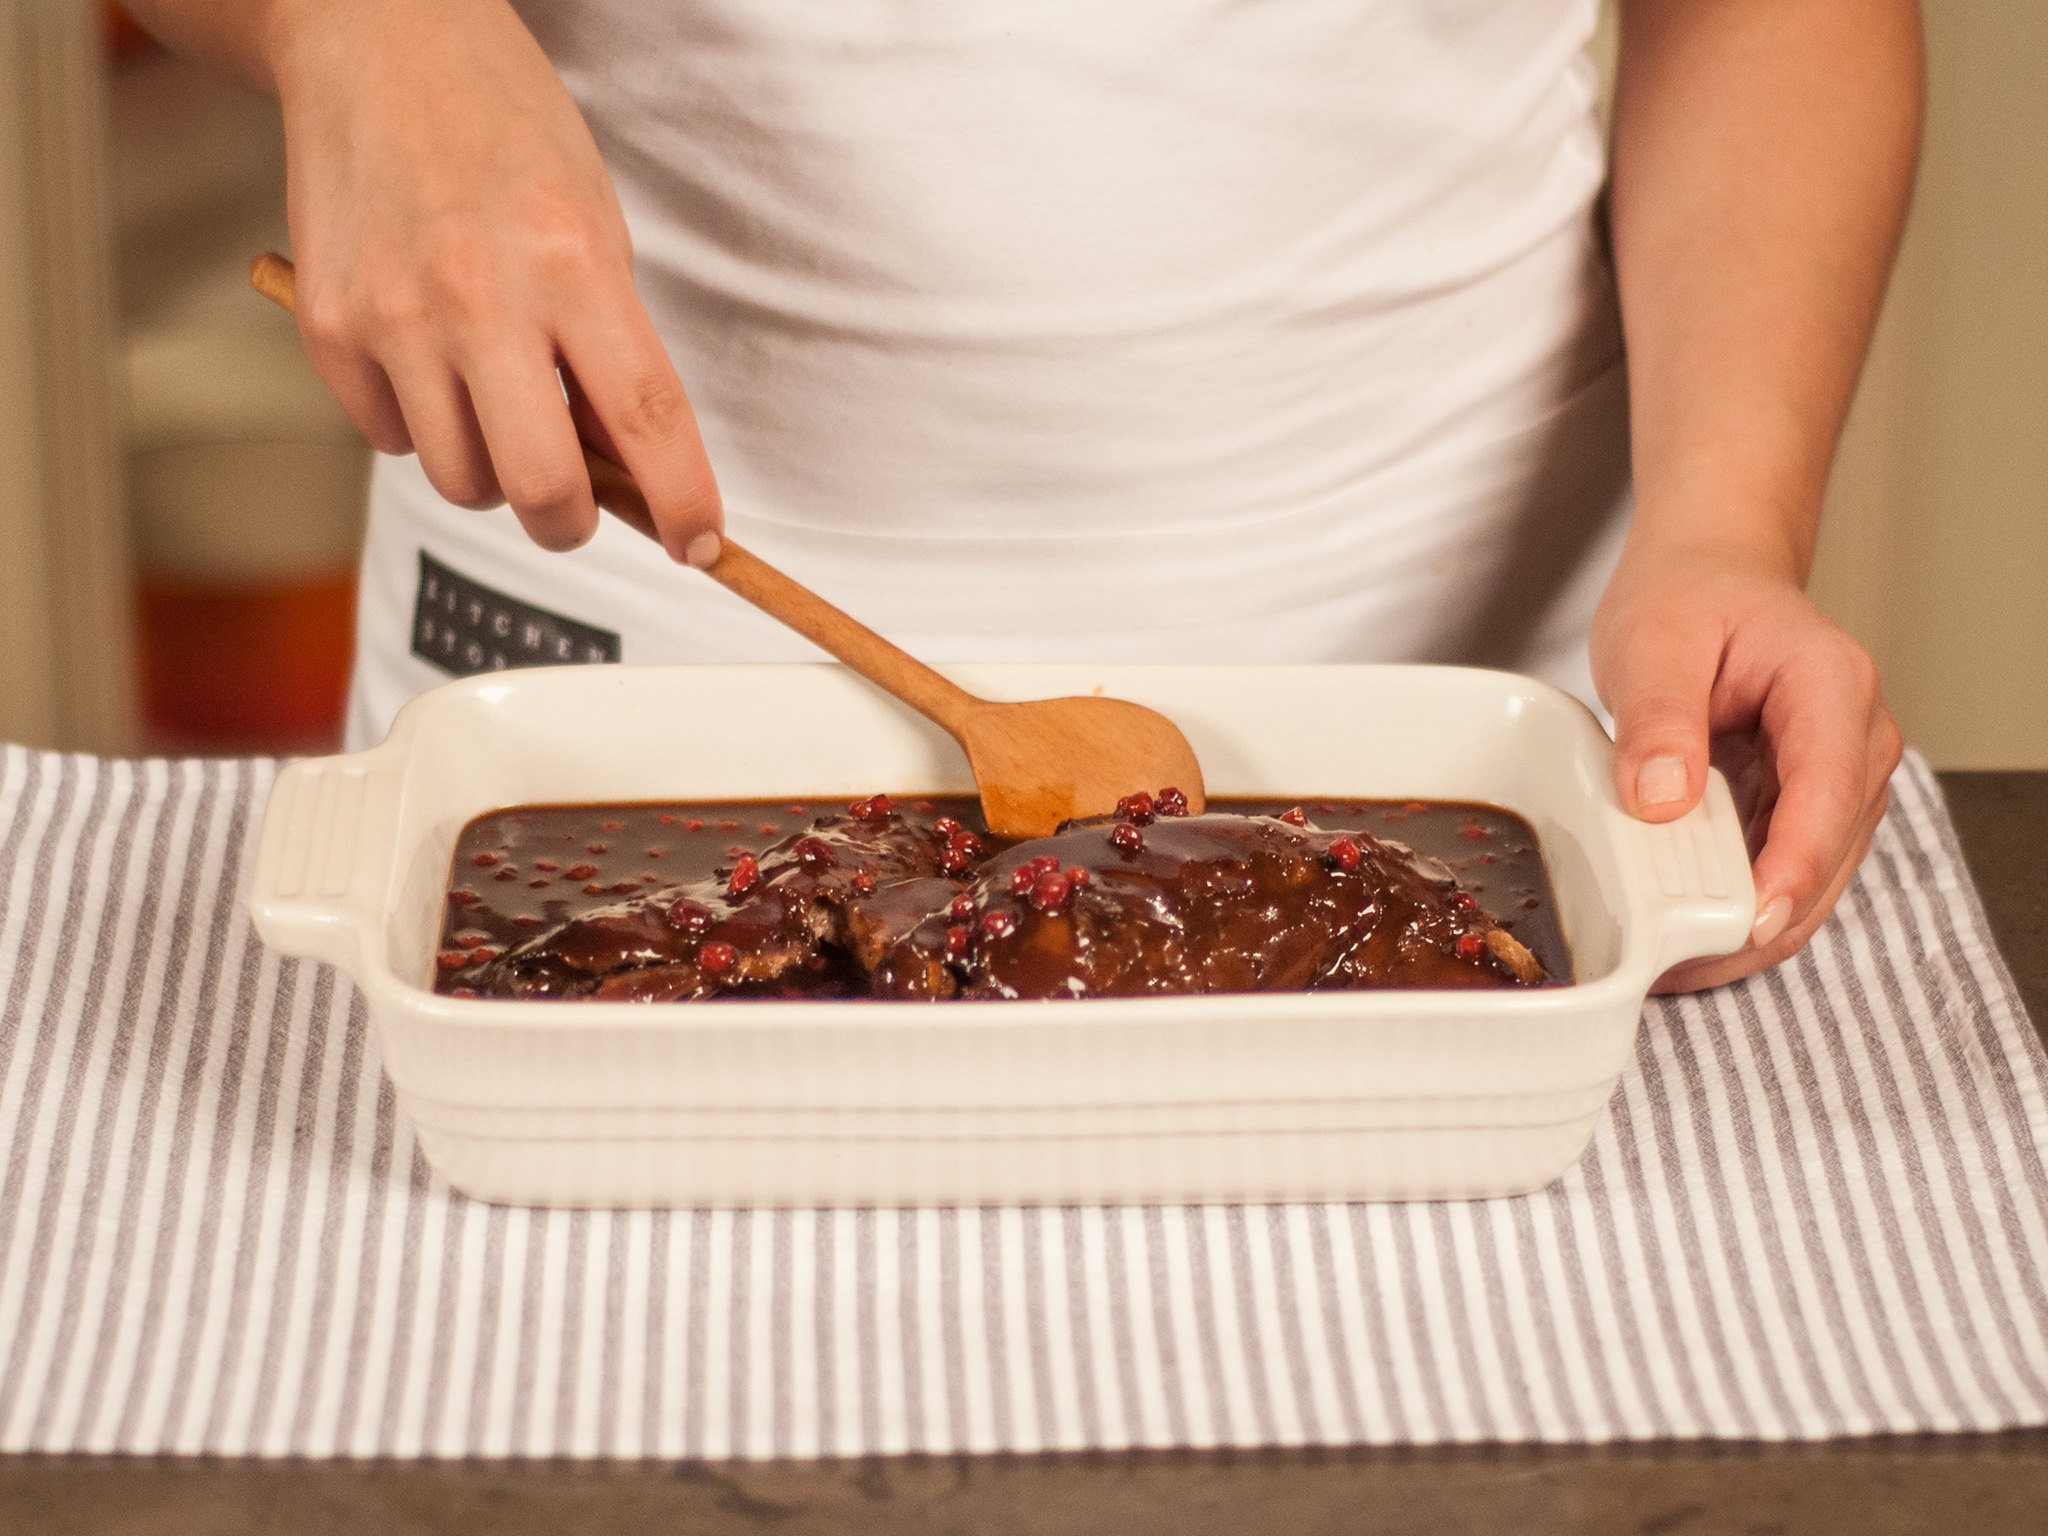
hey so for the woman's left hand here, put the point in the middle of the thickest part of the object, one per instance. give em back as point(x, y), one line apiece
point(1706, 658)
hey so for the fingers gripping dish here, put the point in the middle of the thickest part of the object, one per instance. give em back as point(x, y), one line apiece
point(912, 903)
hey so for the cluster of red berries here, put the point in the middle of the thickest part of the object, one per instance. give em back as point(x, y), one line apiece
point(1042, 883)
point(960, 847)
point(874, 808)
point(474, 953)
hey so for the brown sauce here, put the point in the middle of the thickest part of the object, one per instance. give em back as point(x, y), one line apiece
point(914, 898)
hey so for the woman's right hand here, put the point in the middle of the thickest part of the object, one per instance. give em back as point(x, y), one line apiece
point(457, 242)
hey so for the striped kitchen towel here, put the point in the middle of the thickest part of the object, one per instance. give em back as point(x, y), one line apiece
point(1816, 1207)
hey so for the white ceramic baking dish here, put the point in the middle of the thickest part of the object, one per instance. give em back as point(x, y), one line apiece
point(1337, 1095)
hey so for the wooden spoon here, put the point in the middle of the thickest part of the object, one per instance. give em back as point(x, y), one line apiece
point(1036, 763)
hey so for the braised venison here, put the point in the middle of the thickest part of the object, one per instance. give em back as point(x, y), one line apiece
point(915, 900)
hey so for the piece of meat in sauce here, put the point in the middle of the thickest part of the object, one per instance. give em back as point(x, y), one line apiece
point(771, 926)
point(1143, 903)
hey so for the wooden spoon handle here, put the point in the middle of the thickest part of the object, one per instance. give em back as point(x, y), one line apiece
point(747, 575)
point(738, 571)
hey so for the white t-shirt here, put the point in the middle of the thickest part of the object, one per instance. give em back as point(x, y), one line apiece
point(1155, 330)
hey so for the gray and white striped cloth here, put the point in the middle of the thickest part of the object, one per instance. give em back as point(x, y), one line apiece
point(1816, 1207)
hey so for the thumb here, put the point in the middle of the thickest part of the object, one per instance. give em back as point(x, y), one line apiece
point(1660, 688)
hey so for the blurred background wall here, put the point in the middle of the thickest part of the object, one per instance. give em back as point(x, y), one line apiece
point(1935, 549)
point(180, 499)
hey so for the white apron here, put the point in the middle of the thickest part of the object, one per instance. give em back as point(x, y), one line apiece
point(1164, 330)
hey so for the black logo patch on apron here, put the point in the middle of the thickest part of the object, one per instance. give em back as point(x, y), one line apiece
point(464, 627)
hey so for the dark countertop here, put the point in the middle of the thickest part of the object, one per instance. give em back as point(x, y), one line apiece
point(2002, 819)
point(1987, 1484)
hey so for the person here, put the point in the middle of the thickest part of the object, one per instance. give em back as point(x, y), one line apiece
point(1167, 330)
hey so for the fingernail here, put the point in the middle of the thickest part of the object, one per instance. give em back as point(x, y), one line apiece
point(1770, 922)
point(703, 551)
point(1660, 781)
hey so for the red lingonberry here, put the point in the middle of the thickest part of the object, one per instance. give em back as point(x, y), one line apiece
point(548, 866)
point(483, 954)
point(956, 942)
point(612, 826)
point(595, 847)
point(814, 853)
point(1344, 853)
point(1044, 864)
point(954, 859)
point(922, 807)
point(1126, 837)
point(1171, 802)
point(961, 908)
point(746, 874)
point(964, 840)
point(1049, 892)
point(688, 915)
point(795, 808)
point(864, 882)
point(998, 924)
point(945, 826)
point(462, 896)
point(1295, 817)
point(582, 871)
point(1416, 807)
point(507, 873)
point(462, 991)
point(657, 853)
point(769, 829)
point(453, 959)
point(469, 938)
point(874, 808)
point(692, 824)
point(717, 957)
point(1077, 877)
point(483, 860)
point(625, 887)
point(665, 818)
point(540, 884)
point(1463, 901)
point(1135, 807)
point(1021, 878)
point(593, 889)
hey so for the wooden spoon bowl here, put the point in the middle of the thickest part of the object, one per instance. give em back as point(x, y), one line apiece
point(1036, 763)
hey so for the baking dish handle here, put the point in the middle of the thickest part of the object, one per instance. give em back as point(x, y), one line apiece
point(1696, 879)
point(323, 858)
